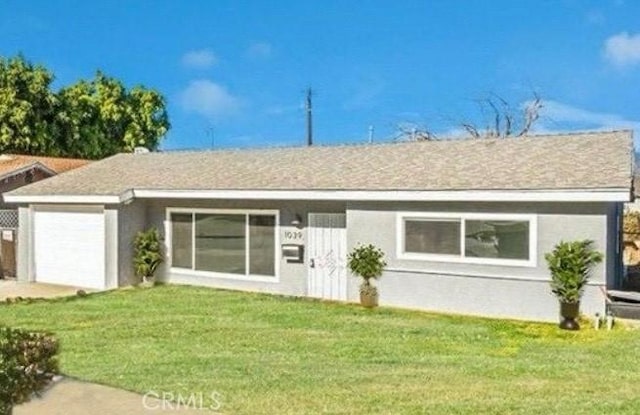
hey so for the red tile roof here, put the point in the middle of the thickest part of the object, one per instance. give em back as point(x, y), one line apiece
point(18, 162)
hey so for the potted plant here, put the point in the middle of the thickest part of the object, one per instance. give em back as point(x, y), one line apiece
point(147, 254)
point(570, 265)
point(367, 261)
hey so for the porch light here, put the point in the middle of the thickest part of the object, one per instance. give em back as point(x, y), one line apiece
point(297, 220)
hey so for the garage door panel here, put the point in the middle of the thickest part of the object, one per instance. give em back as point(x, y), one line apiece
point(69, 247)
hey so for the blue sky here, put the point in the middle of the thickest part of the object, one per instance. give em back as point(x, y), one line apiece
point(234, 72)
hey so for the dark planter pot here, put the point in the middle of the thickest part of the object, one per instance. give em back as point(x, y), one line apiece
point(569, 313)
point(369, 300)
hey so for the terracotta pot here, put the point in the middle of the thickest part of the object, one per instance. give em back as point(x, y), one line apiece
point(369, 300)
point(569, 313)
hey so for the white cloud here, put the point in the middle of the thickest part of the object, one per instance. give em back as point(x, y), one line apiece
point(260, 50)
point(199, 59)
point(209, 99)
point(453, 133)
point(566, 113)
point(557, 117)
point(623, 49)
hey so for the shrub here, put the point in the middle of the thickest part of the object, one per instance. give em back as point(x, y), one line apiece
point(631, 223)
point(147, 253)
point(28, 363)
point(570, 265)
point(366, 261)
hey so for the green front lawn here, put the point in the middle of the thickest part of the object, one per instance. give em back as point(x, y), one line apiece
point(267, 354)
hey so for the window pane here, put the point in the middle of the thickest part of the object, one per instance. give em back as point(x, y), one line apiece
point(181, 253)
point(220, 243)
point(433, 236)
point(497, 239)
point(262, 244)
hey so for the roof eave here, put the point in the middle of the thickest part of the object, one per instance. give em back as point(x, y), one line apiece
point(551, 195)
point(563, 195)
point(63, 199)
point(26, 168)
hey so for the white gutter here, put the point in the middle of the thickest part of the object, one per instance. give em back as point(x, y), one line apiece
point(72, 199)
point(594, 195)
point(600, 195)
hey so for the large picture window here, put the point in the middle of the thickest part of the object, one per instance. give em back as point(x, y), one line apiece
point(478, 238)
point(220, 243)
point(230, 243)
point(181, 232)
point(433, 236)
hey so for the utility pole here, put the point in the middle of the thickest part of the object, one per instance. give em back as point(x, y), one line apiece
point(309, 119)
point(211, 133)
point(370, 134)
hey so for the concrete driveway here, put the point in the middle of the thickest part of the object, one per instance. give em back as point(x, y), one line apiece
point(72, 397)
point(11, 289)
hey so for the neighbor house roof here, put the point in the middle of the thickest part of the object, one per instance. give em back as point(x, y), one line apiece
point(11, 164)
point(596, 161)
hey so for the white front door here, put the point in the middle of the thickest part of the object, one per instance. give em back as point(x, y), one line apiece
point(327, 252)
point(69, 246)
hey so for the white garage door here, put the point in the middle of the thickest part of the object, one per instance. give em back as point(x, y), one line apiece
point(69, 247)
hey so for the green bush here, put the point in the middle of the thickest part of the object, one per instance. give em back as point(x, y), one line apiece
point(28, 363)
point(570, 264)
point(366, 261)
point(147, 253)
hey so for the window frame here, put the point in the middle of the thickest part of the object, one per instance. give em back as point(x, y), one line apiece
point(402, 217)
point(246, 212)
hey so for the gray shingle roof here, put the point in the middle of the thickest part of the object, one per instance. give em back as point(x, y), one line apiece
point(565, 161)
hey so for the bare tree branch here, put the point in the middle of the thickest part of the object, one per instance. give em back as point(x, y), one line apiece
point(508, 116)
point(471, 129)
point(504, 121)
point(531, 114)
point(414, 133)
point(496, 114)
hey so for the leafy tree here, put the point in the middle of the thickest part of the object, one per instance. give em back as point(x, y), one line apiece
point(89, 119)
point(101, 117)
point(27, 107)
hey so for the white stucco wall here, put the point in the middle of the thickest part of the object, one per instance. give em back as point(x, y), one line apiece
point(132, 218)
point(489, 290)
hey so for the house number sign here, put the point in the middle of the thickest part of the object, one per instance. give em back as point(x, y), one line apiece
point(293, 236)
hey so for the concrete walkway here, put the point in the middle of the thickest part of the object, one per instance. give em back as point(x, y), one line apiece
point(12, 289)
point(72, 397)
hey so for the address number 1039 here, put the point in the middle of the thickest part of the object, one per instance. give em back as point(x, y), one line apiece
point(293, 235)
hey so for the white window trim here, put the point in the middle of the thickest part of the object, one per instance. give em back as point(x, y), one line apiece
point(401, 217)
point(211, 274)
